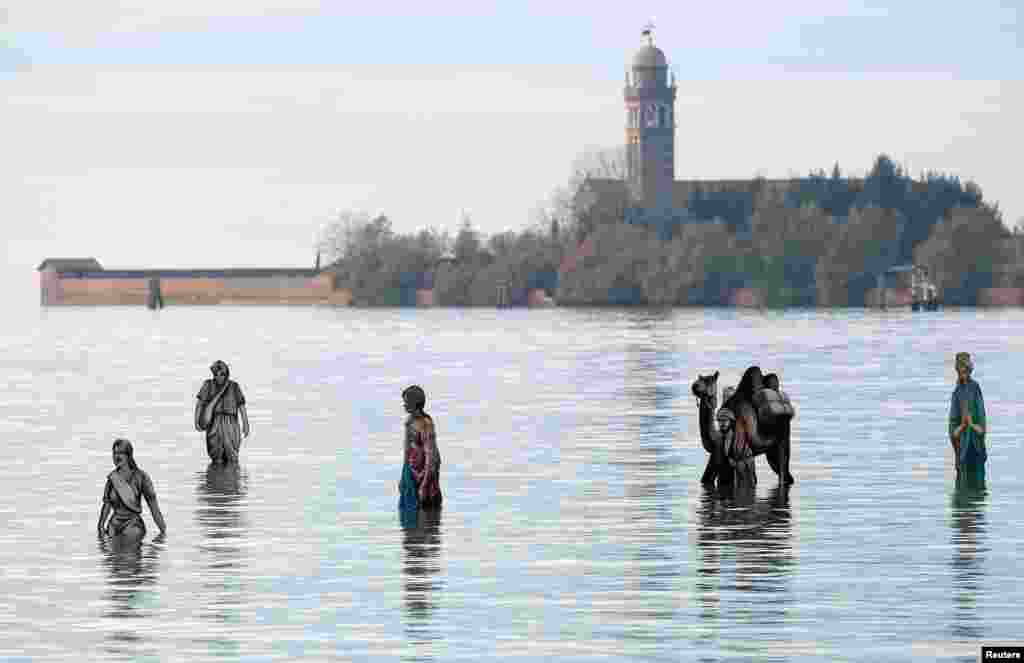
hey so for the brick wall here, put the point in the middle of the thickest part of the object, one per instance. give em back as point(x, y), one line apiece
point(424, 298)
point(341, 297)
point(107, 291)
point(268, 288)
point(198, 290)
point(1001, 297)
point(746, 298)
point(273, 289)
point(50, 290)
point(537, 298)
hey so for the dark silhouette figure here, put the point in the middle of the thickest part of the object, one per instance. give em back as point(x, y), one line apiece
point(154, 299)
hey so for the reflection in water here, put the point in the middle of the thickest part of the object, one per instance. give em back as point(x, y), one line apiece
point(756, 534)
point(421, 546)
point(132, 567)
point(651, 468)
point(968, 523)
point(221, 492)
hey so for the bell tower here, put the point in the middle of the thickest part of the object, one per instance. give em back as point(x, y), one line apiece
point(650, 126)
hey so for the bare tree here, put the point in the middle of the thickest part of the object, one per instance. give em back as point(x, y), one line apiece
point(969, 241)
point(603, 163)
point(865, 245)
point(338, 235)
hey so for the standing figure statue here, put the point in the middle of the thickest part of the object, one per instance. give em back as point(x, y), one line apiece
point(420, 485)
point(219, 405)
point(127, 484)
point(967, 421)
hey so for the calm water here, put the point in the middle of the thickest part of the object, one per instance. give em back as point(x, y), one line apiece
point(574, 522)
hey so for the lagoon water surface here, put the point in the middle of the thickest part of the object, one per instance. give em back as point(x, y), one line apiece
point(574, 525)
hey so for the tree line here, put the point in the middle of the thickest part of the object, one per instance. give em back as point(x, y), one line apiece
point(384, 268)
point(821, 243)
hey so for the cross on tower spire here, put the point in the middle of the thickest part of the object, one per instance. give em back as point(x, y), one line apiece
point(648, 32)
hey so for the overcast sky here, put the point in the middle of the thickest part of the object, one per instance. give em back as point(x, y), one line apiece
point(201, 133)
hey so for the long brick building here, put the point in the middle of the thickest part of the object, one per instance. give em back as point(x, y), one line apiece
point(85, 281)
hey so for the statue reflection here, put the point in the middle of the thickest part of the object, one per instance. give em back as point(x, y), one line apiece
point(221, 491)
point(131, 567)
point(650, 475)
point(421, 548)
point(650, 468)
point(969, 544)
point(753, 535)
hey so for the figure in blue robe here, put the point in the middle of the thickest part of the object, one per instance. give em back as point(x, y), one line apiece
point(967, 419)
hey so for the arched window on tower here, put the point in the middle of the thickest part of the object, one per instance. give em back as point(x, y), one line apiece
point(649, 116)
point(662, 116)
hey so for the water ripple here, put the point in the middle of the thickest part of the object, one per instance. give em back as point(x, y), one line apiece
point(574, 525)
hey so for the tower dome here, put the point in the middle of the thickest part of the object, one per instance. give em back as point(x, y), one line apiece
point(649, 55)
point(650, 126)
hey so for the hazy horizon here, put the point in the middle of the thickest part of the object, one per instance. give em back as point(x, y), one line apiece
point(220, 134)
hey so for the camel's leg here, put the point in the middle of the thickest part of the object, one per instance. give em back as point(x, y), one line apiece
point(785, 476)
point(778, 454)
point(783, 460)
point(726, 474)
point(772, 456)
point(778, 459)
point(710, 472)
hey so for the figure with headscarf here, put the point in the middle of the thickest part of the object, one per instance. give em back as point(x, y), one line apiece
point(126, 485)
point(752, 439)
point(219, 406)
point(741, 404)
point(420, 485)
point(967, 419)
point(740, 459)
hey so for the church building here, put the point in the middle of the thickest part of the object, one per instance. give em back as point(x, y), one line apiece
point(650, 193)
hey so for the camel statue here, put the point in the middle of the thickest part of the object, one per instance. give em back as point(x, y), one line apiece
point(705, 388)
point(772, 440)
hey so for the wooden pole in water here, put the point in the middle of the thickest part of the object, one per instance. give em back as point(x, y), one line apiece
point(501, 295)
point(155, 300)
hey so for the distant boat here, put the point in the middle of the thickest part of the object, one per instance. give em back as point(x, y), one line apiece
point(924, 294)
